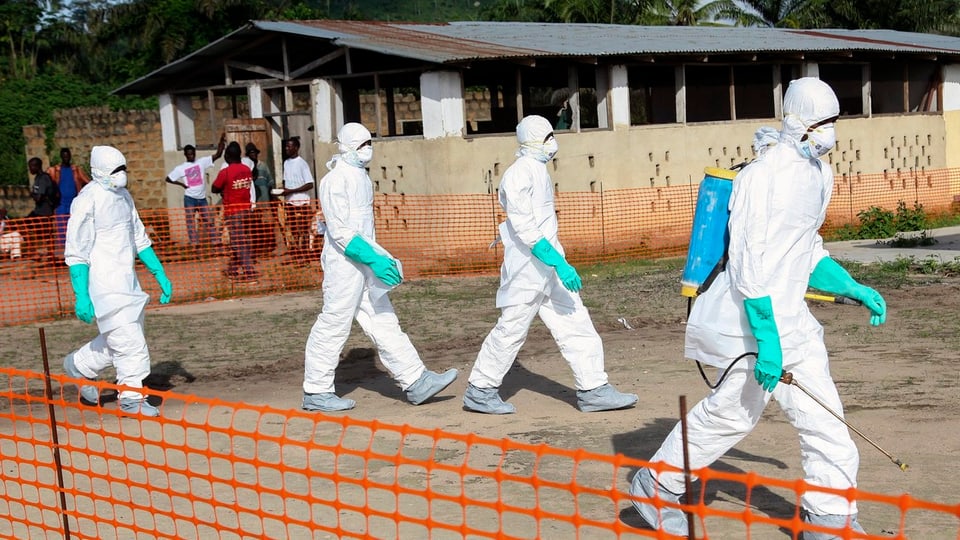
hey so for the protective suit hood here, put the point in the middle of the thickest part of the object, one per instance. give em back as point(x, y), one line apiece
point(104, 162)
point(808, 101)
point(532, 134)
point(349, 139)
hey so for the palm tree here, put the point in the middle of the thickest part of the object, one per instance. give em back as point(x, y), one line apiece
point(906, 15)
point(688, 12)
point(779, 13)
point(581, 11)
point(20, 21)
point(520, 11)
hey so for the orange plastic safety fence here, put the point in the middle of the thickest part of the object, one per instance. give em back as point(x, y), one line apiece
point(433, 235)
point(209, 468)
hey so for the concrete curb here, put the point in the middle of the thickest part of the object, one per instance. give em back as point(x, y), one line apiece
point(947, 248)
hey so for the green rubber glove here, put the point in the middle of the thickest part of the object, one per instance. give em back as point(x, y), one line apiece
point(150, 260)
point(769, 366)
point(544, 251)
point(831, 277)
point(383, 267)
point(80, 279)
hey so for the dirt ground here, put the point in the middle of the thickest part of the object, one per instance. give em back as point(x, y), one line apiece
point(899, 383)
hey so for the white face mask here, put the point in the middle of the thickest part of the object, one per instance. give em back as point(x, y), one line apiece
point(360, 157)
point(542, 152)
point(819, 141)
point(113, 181)
point(365, 154)
point(116, 181)
point(550, 148)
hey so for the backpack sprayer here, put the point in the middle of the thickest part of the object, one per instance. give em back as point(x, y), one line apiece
point(709, 238)
point(707, 258)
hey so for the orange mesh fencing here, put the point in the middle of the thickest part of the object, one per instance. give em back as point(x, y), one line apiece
point(433, 235)
point(209, 468)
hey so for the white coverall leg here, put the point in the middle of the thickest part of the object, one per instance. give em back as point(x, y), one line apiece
point(123, 347)
point(722, 419)
point(344, 299)
point(569, 323)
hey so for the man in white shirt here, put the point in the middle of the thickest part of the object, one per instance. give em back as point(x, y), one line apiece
point(297, 186)
point(191, 176)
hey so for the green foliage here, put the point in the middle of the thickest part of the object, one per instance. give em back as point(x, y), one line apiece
point(57, 55)
point(945, 219)
point(905, 15)
point(688, 12)
point(520, 11)
point(404, 10)
point(780, 13)
point(877, 223)
point(910, 219)
point(19, 38)
point(912, 241)
point(894, 274)
point(32, 101)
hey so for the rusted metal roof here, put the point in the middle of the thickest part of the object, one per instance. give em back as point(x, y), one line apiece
point(460, 41)
point(408, 40)
point(463, 42)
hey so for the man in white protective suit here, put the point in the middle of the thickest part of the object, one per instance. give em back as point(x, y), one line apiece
point(535, 279)
point(778, 203)
point(104, 234)
point(357, 274)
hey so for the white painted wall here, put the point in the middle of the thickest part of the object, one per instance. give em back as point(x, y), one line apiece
point(951, 87)
point(185, 119)
point(255, 97)
point(645, 156)
point(619, 97)
point(168, 122)
point(441, 94)
point(325, 125)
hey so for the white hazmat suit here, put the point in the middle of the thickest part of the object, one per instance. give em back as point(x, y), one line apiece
point(352, 289)
point(777, 206)
point(531, 286)
point(105, 234)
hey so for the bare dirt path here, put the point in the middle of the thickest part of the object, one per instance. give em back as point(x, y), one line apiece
point(898, 382)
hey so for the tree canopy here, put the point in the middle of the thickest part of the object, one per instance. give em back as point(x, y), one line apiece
point(58, 55)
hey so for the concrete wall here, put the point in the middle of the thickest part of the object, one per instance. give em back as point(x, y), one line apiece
point(644, 156)
point(16, 199)
point(407, 108)
point(36, 147)
point(135, 133)
point(640, 156)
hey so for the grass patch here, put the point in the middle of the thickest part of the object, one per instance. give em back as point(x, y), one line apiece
point(878, 223)
point(894, 274)
point(618, 270)
point(944, 219)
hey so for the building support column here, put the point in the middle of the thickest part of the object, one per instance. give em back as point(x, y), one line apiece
point(619, 96)
point(441, 94)
point(951, 119)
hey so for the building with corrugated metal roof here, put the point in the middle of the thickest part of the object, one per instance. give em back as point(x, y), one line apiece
point(634, 106)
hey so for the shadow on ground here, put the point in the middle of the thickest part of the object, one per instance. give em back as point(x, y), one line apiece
point(644, 442)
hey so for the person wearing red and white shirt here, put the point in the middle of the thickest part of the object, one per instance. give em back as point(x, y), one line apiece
point(233, 184)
